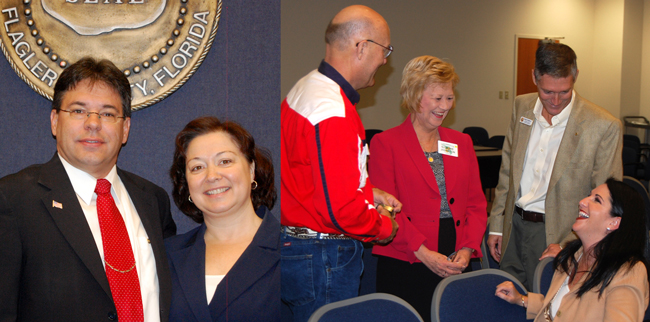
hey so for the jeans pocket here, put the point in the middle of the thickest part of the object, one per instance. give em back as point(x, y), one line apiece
point(297, 280)
point(348, 253)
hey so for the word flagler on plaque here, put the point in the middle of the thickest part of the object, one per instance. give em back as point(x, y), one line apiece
point(158, 44)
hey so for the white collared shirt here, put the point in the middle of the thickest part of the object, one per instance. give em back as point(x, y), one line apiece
point(84, 186)
point(543, 145)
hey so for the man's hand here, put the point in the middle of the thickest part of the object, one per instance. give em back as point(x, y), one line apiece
point(551, 251)
point(385, 212)
point(382, 197)
point(494, 243)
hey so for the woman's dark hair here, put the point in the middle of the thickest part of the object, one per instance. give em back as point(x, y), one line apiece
point(624, 246)
point(263, 195)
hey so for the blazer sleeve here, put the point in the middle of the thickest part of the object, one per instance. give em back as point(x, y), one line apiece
point(535, 305)
point(10, 262)
point(608, 161)
point(383, 175)
point(501, 191)
point(475, 214)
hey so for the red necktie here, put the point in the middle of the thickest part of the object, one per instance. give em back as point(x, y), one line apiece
point(118, 256)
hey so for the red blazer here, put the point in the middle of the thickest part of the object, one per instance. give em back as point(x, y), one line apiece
point(399, 167)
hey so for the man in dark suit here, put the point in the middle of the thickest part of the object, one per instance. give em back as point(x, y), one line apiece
point(55, 253)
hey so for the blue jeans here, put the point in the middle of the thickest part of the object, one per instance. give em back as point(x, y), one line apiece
point(316, 272)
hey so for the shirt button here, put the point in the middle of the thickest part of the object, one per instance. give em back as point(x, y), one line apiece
point(112, 316)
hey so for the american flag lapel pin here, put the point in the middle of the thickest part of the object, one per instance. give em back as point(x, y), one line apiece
point(56, 204)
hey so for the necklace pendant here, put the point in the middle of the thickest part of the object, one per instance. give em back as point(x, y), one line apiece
point(430, 159)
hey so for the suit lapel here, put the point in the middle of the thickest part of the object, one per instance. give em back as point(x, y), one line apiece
point(414, 151)
point(520, 144)
point(569, 142)
point(450, 162)
point(189, 264)
point(261, 256)
point(70, 219)
point(147, 207)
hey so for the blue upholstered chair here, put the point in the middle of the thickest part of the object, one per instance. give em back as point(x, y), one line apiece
point(543, 275)
point(374, 307)
point(470, 297)
point(487, 261)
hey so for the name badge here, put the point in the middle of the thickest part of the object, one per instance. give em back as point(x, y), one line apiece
point(448, 148)
point(526, 121)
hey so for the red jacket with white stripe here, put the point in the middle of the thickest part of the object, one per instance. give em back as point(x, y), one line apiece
point(325, 184)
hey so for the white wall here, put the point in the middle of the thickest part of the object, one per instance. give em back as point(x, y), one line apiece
point(645, 62)
point(478, 37)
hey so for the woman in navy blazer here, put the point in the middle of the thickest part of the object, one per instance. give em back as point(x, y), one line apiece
point(227, 269)
point(434, 173)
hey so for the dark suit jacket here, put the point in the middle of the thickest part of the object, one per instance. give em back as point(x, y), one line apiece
point(249, 292)
point(399, 167)
point(50, 268)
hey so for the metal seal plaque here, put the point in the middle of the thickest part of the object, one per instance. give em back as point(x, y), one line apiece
point(159, 44)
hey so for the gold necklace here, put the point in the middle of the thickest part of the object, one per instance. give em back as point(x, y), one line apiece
point(120, 271)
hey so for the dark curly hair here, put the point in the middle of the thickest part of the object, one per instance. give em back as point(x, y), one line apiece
point(265, 193)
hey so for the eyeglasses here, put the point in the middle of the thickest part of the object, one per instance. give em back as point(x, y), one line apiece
point(387, 50)
point(105, 117)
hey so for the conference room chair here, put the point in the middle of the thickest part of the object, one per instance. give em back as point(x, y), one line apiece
point(376, 307)
point(478, 134)
point(487, 261)
point(470, 297)
point(543, 275)
point(496, 141)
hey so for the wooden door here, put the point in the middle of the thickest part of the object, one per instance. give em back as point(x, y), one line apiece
point(526, 48)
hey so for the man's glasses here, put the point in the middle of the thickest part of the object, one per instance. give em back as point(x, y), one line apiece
point(105, 117)
point(387, 50)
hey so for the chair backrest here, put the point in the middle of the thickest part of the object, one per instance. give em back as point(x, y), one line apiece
point(479, 135)
point(487, 261)
point(370, 133)
point(543, 275)
point(470, 297)
point(630, 162)
point(374, 307)
point(497, 141)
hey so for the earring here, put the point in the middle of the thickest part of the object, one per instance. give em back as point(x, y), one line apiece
point(190, 199)
point(609, 229)
point(254, 185)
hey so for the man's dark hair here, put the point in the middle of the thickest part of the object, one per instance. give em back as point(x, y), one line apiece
point(94, 71)
point(556, 60)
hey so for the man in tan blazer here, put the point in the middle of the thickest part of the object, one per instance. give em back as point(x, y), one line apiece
point(559, 146)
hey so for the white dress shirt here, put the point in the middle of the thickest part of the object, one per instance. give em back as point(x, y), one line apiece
point(543, 144)
point(84, 186)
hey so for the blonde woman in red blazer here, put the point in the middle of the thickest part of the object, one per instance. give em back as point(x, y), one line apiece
point(402, 163)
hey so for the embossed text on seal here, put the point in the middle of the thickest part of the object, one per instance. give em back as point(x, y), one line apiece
point(158, 44)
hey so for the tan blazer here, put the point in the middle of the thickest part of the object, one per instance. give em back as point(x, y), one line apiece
point(624, 299)
point(589, 153)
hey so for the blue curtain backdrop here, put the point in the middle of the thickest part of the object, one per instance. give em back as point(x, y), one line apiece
point(239, 80)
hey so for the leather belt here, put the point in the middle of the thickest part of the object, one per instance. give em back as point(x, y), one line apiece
point(306, 233)
point(529, 215)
